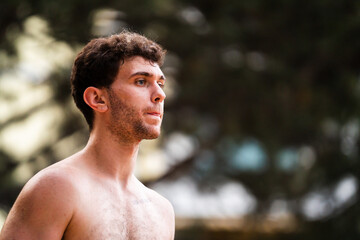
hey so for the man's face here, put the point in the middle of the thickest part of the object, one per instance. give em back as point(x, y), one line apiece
point(136, 100)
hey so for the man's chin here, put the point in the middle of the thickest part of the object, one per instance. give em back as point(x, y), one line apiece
point(152, 135)
point(148, 131)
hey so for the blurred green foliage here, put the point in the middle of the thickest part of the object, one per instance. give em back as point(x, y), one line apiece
point(283, 75)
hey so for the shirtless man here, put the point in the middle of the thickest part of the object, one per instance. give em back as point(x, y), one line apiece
point(93, 195)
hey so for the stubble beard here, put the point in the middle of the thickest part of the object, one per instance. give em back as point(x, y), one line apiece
point(126, 124)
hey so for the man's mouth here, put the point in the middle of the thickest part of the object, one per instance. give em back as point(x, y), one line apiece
point(155, 114)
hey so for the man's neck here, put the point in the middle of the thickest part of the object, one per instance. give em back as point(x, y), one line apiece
point(112, 157)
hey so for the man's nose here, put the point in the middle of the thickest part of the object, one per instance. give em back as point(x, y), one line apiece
point(158, 95)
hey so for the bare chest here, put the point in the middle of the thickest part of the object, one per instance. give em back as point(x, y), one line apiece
point(105, 217)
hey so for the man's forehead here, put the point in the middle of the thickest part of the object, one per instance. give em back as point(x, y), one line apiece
point(139, 66)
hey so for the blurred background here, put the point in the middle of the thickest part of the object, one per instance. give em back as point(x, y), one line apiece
point(261, 133)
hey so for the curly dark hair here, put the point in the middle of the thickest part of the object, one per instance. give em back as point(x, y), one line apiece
point(99, 61)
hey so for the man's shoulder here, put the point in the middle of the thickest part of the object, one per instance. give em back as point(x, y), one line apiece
point(164, 208)
point(160, 201)
point(59, 180)
point(60, 172)
point(44, 206)
point(54, 180)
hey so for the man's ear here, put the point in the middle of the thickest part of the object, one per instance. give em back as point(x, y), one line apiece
point(95, 98)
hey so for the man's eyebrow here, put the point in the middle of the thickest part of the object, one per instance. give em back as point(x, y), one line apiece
point(146, 74)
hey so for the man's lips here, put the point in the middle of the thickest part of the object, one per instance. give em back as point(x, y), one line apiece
point(156, 114)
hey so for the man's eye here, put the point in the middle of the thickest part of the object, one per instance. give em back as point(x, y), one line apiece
point(140, 82)
point(161, 84)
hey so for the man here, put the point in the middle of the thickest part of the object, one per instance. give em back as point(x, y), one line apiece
point(118, 85)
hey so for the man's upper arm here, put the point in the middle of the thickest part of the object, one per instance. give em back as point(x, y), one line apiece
point(43, 209)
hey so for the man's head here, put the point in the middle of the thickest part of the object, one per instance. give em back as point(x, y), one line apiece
point(99, 61)
point(132, 107)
